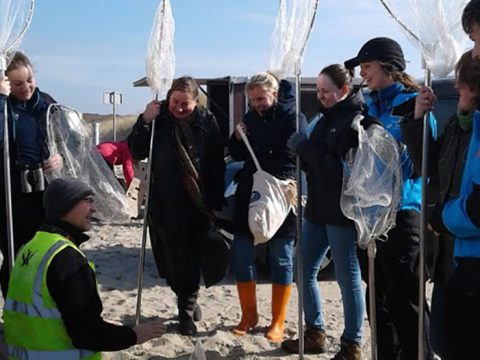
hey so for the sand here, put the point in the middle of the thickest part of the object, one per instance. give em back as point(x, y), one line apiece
point(115, 251)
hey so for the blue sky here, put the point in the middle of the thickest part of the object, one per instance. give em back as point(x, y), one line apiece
point(82, 48)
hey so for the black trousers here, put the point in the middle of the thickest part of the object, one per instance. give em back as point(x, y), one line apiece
point(396, 290)
point(28, 214)
point(176, 246)
point(462, 311)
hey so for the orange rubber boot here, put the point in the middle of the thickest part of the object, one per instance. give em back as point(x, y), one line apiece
point(248, 303)
point(280, 298)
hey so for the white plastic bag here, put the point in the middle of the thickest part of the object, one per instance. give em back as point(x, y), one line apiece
point(198, 352)
point(270, 202)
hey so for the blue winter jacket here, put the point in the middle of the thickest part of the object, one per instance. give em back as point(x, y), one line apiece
point(390, 105)
point(455, 217)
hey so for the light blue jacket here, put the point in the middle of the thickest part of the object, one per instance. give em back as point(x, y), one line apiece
point(455, 217)
point(389, 105)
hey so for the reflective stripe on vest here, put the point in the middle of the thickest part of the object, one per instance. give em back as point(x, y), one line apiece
point(16, 353)
point(33, 325)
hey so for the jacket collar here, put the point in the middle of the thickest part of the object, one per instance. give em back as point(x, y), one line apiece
point(65, 229)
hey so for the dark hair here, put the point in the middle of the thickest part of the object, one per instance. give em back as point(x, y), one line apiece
point(400, 76)
point(19, 60)
point(339, 75)
point(471, 15)
point(184, 84)
point(467, 72)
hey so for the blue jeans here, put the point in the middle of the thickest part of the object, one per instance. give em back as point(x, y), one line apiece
point(342, 242)
point(280, 251)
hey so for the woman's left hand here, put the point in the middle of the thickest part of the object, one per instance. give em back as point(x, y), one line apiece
point(424, 102)
point(54, 162)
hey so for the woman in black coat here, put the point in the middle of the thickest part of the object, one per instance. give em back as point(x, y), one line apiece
point(186, 185)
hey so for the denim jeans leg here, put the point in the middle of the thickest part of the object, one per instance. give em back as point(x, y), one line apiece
point(314, 248)
point(342, 240)
point(243, 252)
point(281, 259)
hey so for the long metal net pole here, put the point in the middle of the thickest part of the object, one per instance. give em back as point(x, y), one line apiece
point(141, 263)
point(299, 245)
point(8, 185)
point(371, 252)
point(423, 222)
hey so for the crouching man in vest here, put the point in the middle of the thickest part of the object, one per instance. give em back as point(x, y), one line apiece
point(53, 310)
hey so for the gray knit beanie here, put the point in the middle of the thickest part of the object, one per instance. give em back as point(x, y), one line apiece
point(63, 194)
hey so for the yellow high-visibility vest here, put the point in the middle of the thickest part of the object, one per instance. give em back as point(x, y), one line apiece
point(32, 323)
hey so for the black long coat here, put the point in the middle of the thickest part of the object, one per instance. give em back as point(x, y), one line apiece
point(177, 228)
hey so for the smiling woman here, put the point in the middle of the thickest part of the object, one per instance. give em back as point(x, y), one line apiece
point(29, 154)
point(187, 175)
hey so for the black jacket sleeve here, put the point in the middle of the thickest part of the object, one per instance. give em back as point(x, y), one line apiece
point(412, 133)
point(72, 284)
point(139, 139)
point(310, 154)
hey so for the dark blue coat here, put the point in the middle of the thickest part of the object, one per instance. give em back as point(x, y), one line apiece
point(268, 134)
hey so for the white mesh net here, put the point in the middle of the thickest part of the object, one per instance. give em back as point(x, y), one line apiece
point(160, 58)
point(372, 183)
point(290, 34)
point(71, 137)
point(15, 17)
point(435, 27)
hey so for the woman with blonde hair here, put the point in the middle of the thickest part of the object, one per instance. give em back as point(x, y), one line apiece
point(268, 124)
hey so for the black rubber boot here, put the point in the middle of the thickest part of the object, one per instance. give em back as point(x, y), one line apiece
point(186, 314)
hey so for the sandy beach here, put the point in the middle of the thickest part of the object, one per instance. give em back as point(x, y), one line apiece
point(115, 250)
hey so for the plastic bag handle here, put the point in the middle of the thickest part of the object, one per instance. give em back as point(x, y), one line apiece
point(249, 147)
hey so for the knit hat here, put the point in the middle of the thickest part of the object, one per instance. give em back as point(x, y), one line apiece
point(379, 49)
point(63, 194)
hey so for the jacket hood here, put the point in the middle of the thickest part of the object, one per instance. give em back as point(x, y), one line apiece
point(286, 97)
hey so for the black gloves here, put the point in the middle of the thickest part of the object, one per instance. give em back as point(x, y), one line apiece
point(294, 141)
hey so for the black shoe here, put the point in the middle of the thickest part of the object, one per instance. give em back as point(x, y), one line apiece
point(197, 313)
point(186, 326)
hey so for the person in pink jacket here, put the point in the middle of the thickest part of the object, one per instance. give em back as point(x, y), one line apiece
point(116, 153)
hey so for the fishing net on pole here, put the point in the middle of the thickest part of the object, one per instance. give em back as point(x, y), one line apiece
point(290, 34)
point(160, 58)
point(70, 136)
point(435, 27)
point(372, 183)
point(15, 17)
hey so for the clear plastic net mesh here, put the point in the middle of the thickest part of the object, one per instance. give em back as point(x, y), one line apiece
point(15, 17)
point(71, 137)
point(372, 183)
point(435, 27)
point(290, 35)
point(160, 58)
